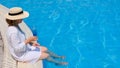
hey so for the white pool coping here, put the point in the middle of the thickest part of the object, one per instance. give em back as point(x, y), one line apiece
point(8, 61)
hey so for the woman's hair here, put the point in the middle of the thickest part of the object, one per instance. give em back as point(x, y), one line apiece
point(11, 22)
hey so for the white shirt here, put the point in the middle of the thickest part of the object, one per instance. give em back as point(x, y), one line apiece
point(16, 42)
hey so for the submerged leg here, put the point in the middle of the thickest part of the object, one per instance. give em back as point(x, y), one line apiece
point(54, 55)
point(55, 61)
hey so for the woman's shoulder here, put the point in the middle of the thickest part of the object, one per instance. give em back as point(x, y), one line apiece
point(12, 29)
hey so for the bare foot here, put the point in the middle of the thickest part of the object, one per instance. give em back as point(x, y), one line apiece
point(62, 63)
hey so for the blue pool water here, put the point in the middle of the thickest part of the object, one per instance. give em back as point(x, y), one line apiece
point(87, 32)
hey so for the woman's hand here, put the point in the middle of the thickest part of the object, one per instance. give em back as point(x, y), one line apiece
point(30, 39)
point(35, 43)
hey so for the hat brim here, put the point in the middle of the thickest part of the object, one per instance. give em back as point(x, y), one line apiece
point(25, 14)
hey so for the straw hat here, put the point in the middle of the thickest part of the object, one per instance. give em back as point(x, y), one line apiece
point(16, 13)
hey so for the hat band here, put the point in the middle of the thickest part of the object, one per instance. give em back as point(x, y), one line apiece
point(13, 14)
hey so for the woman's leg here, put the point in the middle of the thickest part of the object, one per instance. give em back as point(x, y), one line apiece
point(46, 55)
point(50, 59)
point(54, 55)
point(44, 49)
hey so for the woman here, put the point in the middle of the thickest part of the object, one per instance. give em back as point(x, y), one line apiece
point(22, 49)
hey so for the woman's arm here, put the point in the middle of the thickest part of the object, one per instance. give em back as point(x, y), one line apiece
point(30, 40)
point(16, 42)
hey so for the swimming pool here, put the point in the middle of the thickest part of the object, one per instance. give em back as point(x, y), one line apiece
point(87, 32)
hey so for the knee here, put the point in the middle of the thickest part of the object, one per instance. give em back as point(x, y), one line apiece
point(44, 49)
point(44, 56)
point(47, 55)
